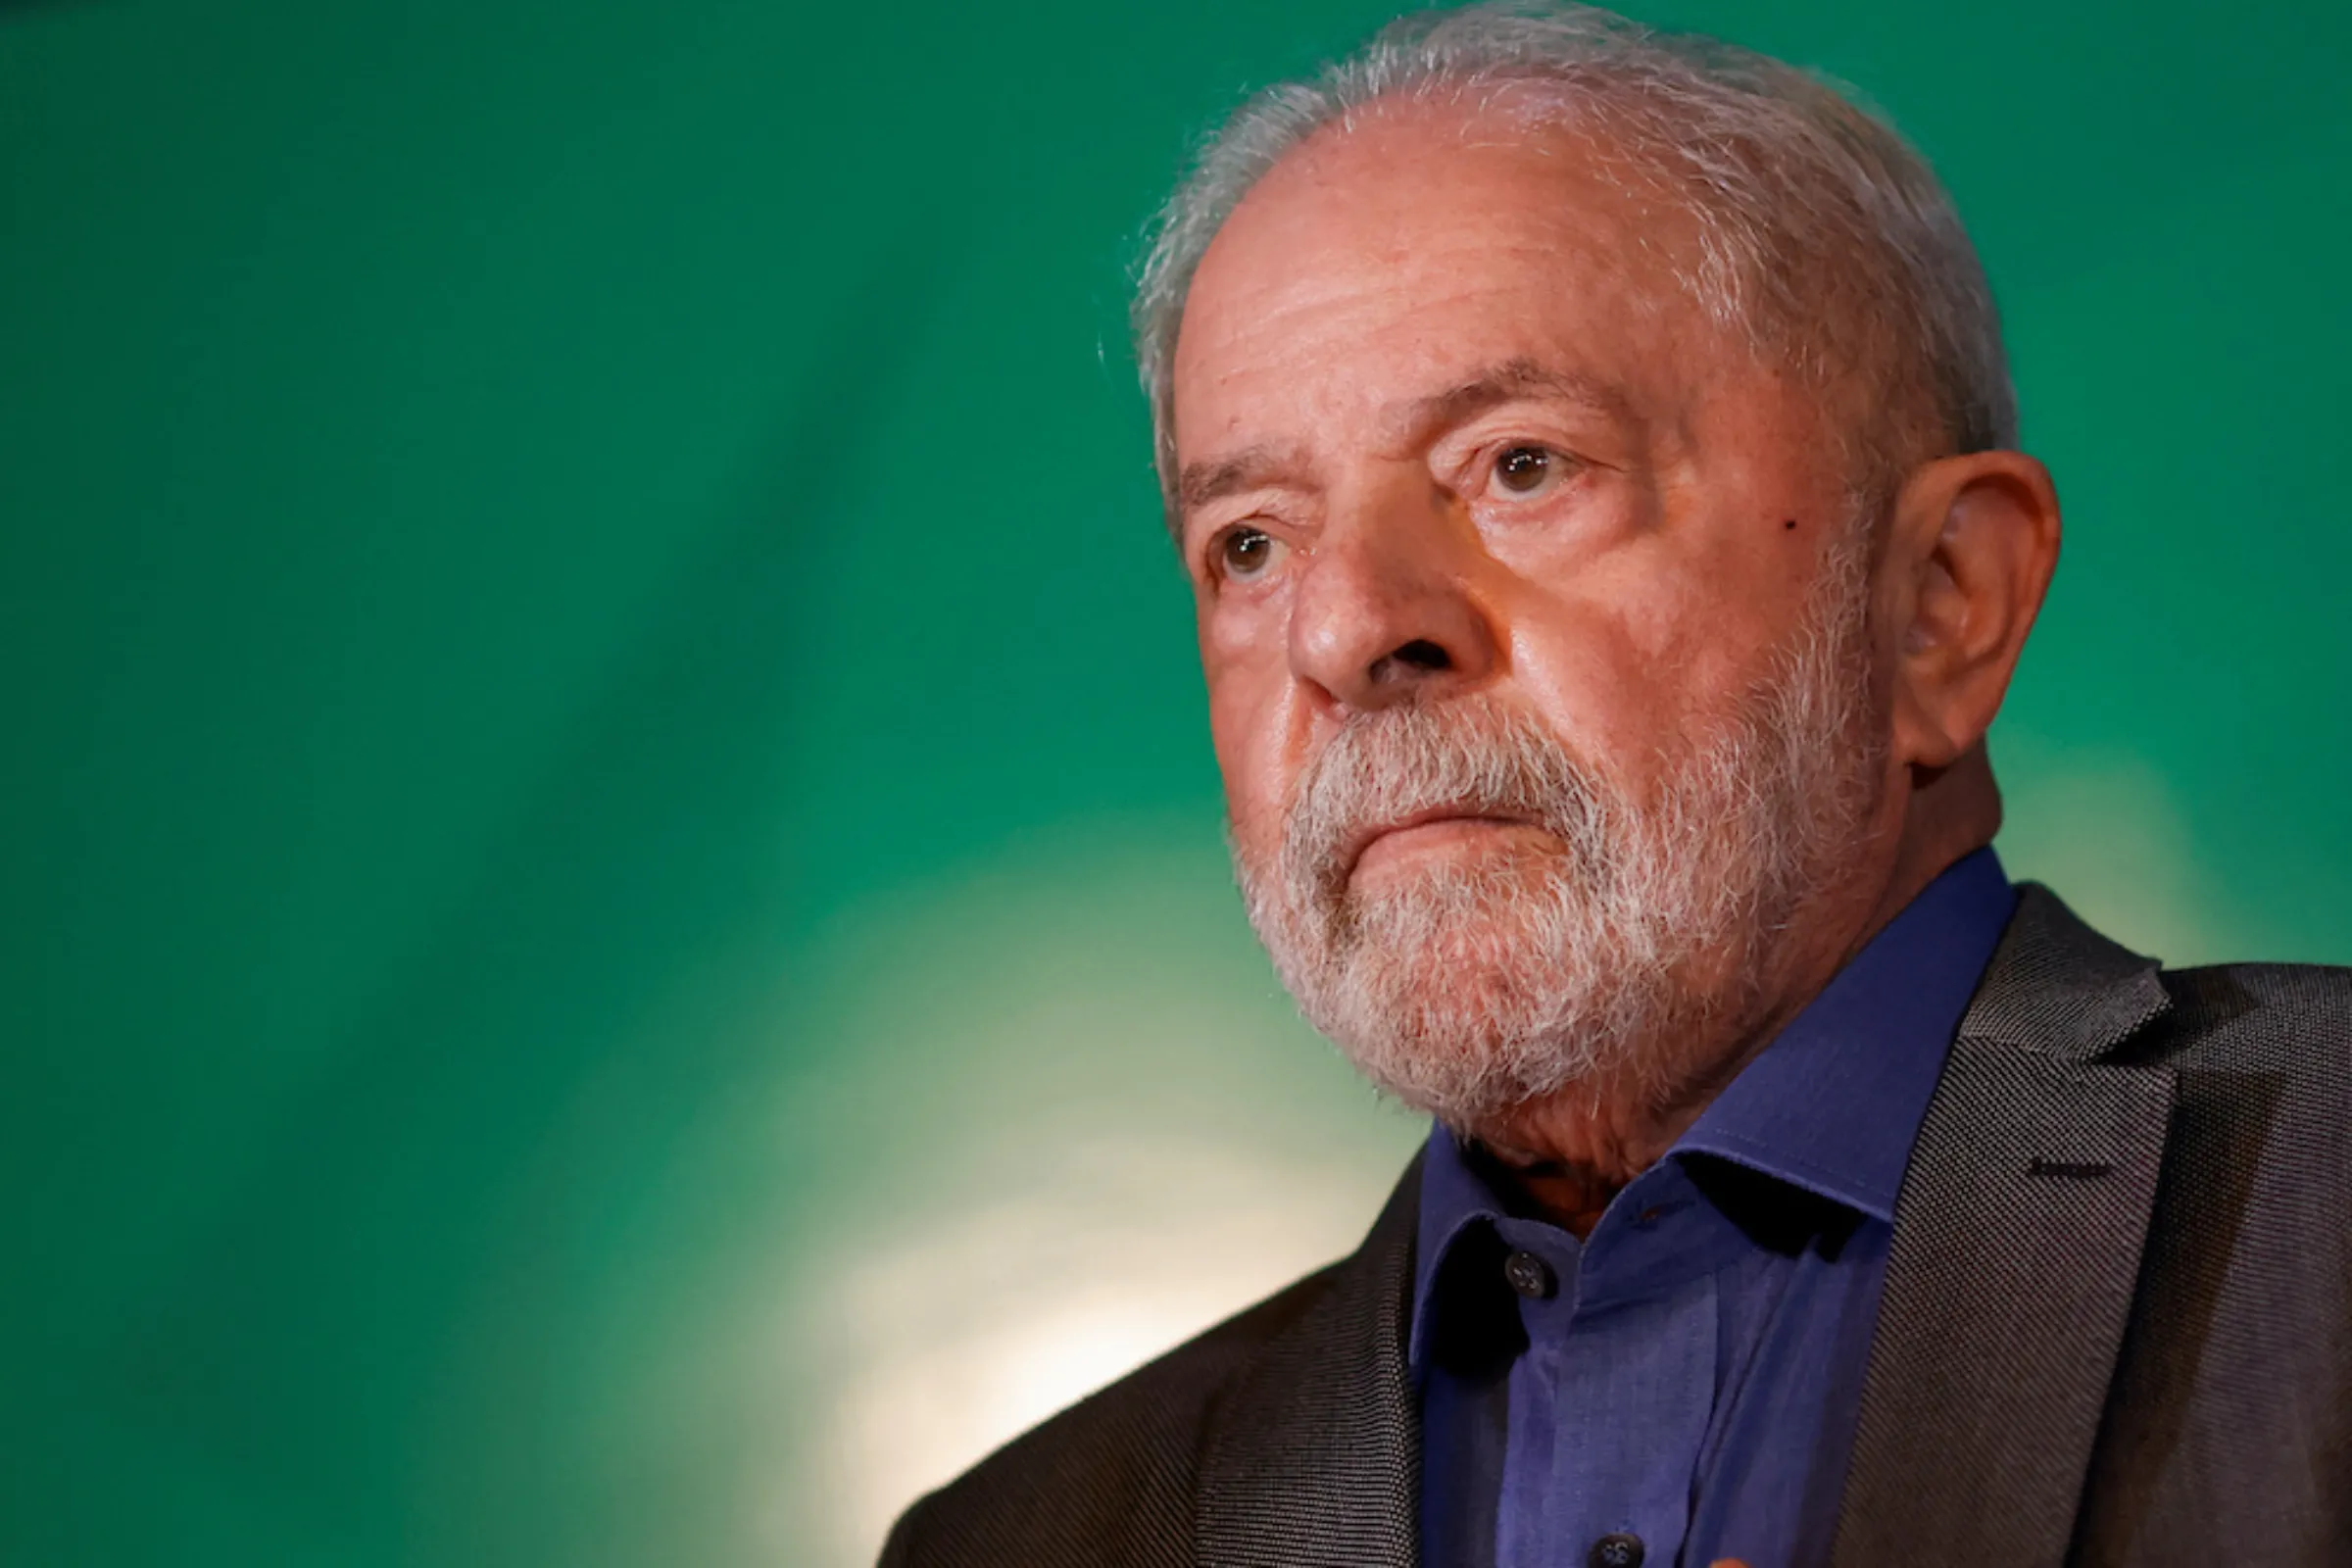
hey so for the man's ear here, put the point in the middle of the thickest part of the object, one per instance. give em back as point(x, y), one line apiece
point(1973, 544)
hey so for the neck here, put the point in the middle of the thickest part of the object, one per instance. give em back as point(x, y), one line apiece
point(1573, 1150)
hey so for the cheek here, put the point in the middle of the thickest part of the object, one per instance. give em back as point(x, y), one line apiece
point(1631, 668)
point(1606, 665)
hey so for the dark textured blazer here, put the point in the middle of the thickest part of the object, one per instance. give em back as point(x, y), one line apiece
point(2117, 1325)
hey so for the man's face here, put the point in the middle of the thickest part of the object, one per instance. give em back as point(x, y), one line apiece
point(1535, 703)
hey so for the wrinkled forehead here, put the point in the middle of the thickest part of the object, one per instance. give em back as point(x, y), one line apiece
point(1450, 236)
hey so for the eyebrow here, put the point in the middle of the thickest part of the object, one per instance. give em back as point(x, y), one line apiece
point(1512, 381)
point(1252, 467)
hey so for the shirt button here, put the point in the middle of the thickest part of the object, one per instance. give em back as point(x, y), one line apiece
point(1528, 1275)
point(1616, 1552)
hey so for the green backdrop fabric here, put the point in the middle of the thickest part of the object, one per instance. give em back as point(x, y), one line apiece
point(616, 950)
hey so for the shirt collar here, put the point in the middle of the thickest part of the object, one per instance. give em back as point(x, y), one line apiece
point(1835, 1102)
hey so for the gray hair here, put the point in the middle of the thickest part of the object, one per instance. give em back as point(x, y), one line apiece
point(1824, 239)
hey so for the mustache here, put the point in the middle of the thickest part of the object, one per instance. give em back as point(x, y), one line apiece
point(1471, 755)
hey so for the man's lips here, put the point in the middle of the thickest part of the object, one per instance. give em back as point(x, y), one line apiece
point(1433, 817)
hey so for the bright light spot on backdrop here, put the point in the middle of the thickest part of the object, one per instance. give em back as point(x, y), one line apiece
point(1101, 1129)
point(1123, 1249)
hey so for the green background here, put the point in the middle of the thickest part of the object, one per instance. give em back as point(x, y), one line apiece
point(616, 949)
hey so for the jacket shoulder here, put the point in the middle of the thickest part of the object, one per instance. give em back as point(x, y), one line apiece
point(1110, 1481)
point(2293, 1019)
point(2261, 1056)
point(2061, 989)
point(2321, 992)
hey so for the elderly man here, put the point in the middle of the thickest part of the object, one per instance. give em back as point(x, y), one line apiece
point(1594, 461)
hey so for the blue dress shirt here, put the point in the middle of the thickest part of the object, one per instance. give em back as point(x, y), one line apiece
point(1683, 1385)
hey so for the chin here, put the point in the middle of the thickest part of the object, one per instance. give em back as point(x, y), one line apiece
point(1467, 1026)
point(1468, 997)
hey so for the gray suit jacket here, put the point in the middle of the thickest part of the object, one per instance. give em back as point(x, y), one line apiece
point(2117, 1325)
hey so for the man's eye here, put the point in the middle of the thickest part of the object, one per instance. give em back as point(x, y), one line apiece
point(1243, 553)
point(1523, 471)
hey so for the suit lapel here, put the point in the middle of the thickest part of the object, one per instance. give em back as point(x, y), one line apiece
point(1313, 1460)
point(2016, 1249)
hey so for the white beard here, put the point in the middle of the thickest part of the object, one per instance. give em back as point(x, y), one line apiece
point(1618, 960)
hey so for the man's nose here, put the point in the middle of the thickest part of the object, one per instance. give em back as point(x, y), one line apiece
point(1387, 612)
